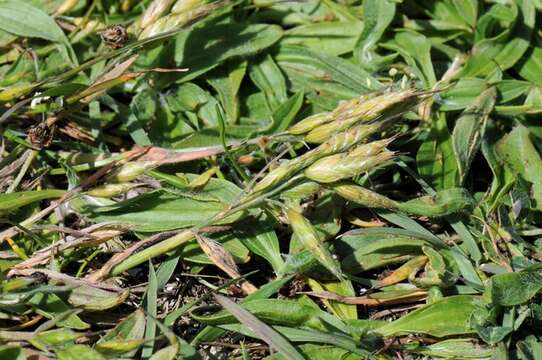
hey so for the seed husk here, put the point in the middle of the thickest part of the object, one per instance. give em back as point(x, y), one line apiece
point(130, 171)
point(110, 190)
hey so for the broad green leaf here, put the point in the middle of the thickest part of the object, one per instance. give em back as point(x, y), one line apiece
point(377, 16)
point(302, 335)
point(281, 312)
point(56, 337)
point(79, 352)
point(514, 288)
point(51, 306)
point(325, 79)
point(519, 154)
point(436, 159)
point(285, 114)
point(13, 201)
point(330, 37)
point(415, 48)
point(461, 94)
point(266, 75)
point(531, 69)
point(205, 48)
point(127, 333)
point(468, 130)
point(12, 352)
point(263, 242)
point(165, 210)
point(264, 331)
point(501, 52)
point(344, 288)
point(446, 317)
point(321, 352)
point(23, 19)
point(457, 348)
point(95, 299)
point(227, 83)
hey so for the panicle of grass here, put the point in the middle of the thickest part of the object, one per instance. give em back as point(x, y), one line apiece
point(343, 166)
point(185, 5)
point(179, 19)
point(336, 144)
point(308, 236)
point(156, 9)
point(369, 109)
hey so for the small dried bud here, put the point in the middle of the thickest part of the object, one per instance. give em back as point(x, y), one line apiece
point(246, 160)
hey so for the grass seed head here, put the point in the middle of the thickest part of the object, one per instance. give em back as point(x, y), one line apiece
point(309, 123)
point(177, 20)
point(343, 166)
point(273, 178)
point(380, 107)
point(156, 9)
point(362, 196)
point(110, 190)
point(130, 171)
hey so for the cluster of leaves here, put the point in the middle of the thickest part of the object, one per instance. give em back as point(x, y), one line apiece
point(127, 179)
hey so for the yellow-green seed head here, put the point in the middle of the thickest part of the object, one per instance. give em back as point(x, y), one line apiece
point(176, 20)
point(374, 108)
point(340, 166)
point(272, 178)
point(110, 190)
point(154, 11)
point(186, 5)
point(309, 123)
point(130, 171)
point(362, 196)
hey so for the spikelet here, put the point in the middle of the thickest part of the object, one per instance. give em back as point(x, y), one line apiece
point(360, 195)
point(384, 106)
point(130, 171)
point(186, 5)
point(339, 143)
point(344, 166)
point(110, 190)
point(309, 239)
point(177, 20)
point(309, 123)
point(154, 11)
